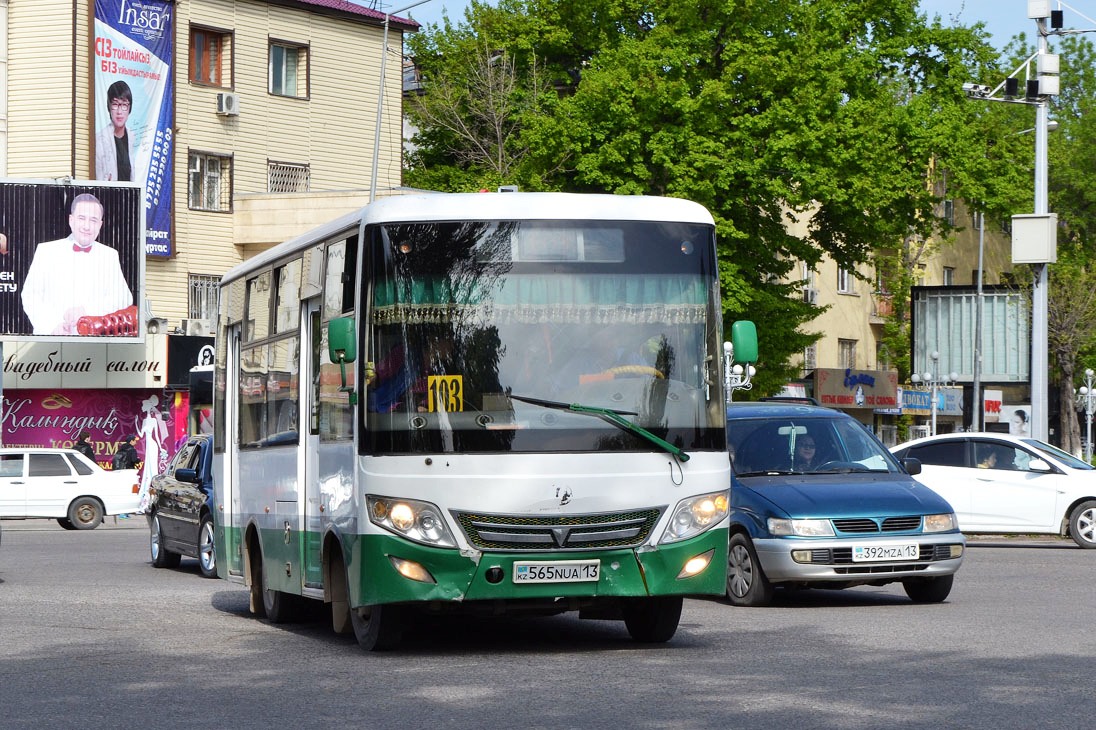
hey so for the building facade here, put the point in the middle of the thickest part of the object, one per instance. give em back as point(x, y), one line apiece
point(272, 111)
point(849, 367)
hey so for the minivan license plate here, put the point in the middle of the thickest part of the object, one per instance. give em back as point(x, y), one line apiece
point(887, 551)
point(559, 571)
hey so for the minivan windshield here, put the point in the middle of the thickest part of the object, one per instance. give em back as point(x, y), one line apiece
point(804, 445)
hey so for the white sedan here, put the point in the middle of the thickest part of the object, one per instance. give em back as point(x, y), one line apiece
point(65, 485)
point(1000, 484)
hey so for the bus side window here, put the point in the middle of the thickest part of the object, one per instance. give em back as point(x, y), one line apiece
point(340, 280)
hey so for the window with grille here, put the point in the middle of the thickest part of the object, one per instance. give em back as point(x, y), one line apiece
point(210, 182)
point(286, 177)
point(209, 57)
point(288, 69)
point(203, 296)
point(846, 353)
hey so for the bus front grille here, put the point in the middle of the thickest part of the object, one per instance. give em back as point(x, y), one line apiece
point(564, 532)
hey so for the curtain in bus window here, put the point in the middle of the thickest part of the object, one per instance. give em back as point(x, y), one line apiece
point(580, 298)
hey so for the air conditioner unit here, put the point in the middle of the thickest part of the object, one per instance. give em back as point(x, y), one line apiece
point(810, 295)
point(156, 325)
point(198, 327)
point(228, 104)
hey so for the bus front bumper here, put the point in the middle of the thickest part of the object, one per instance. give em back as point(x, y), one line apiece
point(393, 570)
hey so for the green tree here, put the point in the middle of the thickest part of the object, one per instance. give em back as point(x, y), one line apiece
point(849, 113)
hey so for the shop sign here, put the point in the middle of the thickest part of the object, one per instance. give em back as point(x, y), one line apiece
point(85, 364)
point(848, 388)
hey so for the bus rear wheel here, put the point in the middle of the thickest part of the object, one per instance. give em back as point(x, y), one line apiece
point(277, 606)
point(653, 620)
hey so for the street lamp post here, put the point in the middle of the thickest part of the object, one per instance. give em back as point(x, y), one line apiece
point(1086, 399)
point(735, 376)
point(380, 100)
point(932, 380)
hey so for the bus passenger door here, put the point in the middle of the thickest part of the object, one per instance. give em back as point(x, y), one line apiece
point(228, 484)
point(310, 429)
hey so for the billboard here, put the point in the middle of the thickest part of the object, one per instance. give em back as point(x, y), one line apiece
point(134, 106)
point(71, 260)
point(55, 418)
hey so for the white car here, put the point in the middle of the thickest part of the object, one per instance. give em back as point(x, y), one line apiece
point(63, 484)
point(1000, 484)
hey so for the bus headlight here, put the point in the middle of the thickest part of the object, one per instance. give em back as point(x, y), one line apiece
point(418, 521)
point(695, 515)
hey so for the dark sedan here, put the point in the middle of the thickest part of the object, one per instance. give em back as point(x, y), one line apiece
point(180, 515)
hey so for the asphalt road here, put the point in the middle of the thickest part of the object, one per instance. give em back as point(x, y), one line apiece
point(91, 636)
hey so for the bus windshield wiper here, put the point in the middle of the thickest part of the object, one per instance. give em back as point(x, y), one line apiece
point(609, 415)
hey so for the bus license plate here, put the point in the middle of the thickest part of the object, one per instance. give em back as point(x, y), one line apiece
point(888, 551)
point(560, 571)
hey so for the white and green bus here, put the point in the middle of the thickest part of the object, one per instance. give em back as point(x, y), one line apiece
point(487, 402)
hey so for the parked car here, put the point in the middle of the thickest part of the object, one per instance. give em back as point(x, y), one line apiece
point(1003, 484)
point(180, 514)
point(849, 516)
point(65, 485)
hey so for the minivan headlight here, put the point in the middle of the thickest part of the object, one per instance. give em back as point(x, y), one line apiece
point(695, 515)
point(800, 528)
point(940, 523)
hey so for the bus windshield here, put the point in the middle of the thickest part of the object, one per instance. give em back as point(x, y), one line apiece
point(479, 330)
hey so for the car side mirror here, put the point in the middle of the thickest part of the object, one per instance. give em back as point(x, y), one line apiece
point(1039, 465)
point(911, 465)
point(187, 475)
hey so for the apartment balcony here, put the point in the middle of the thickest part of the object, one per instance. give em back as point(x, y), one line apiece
point(882, 308)
point(261, 220)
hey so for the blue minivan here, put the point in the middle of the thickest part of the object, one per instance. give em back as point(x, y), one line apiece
point(818, 501)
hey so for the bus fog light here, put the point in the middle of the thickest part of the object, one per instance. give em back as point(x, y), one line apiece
point(696, 564)
point(411, 569)
point(801, 556)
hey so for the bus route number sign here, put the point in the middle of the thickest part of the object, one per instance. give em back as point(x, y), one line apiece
point(445, 393)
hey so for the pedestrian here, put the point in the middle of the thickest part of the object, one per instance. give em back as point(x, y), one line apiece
point(83, 446)
point(126, 457)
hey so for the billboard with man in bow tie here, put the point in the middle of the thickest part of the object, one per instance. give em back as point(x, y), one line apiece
point(71, 260)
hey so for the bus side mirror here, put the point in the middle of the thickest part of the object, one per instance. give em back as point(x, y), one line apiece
point(342, 348)
point(744, 341)
point(341, 344)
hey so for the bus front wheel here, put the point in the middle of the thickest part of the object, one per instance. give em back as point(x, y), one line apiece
point(377, 627)
point(653, 620)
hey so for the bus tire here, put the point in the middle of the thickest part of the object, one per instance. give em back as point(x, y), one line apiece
point(65, 523)
point(279, 607)
point(652, 620)
point(377, 628)
point(340, 598)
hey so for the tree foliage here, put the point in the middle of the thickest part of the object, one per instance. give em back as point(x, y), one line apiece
point(848, 112)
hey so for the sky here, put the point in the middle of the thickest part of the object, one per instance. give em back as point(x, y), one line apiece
point(1003, 18)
